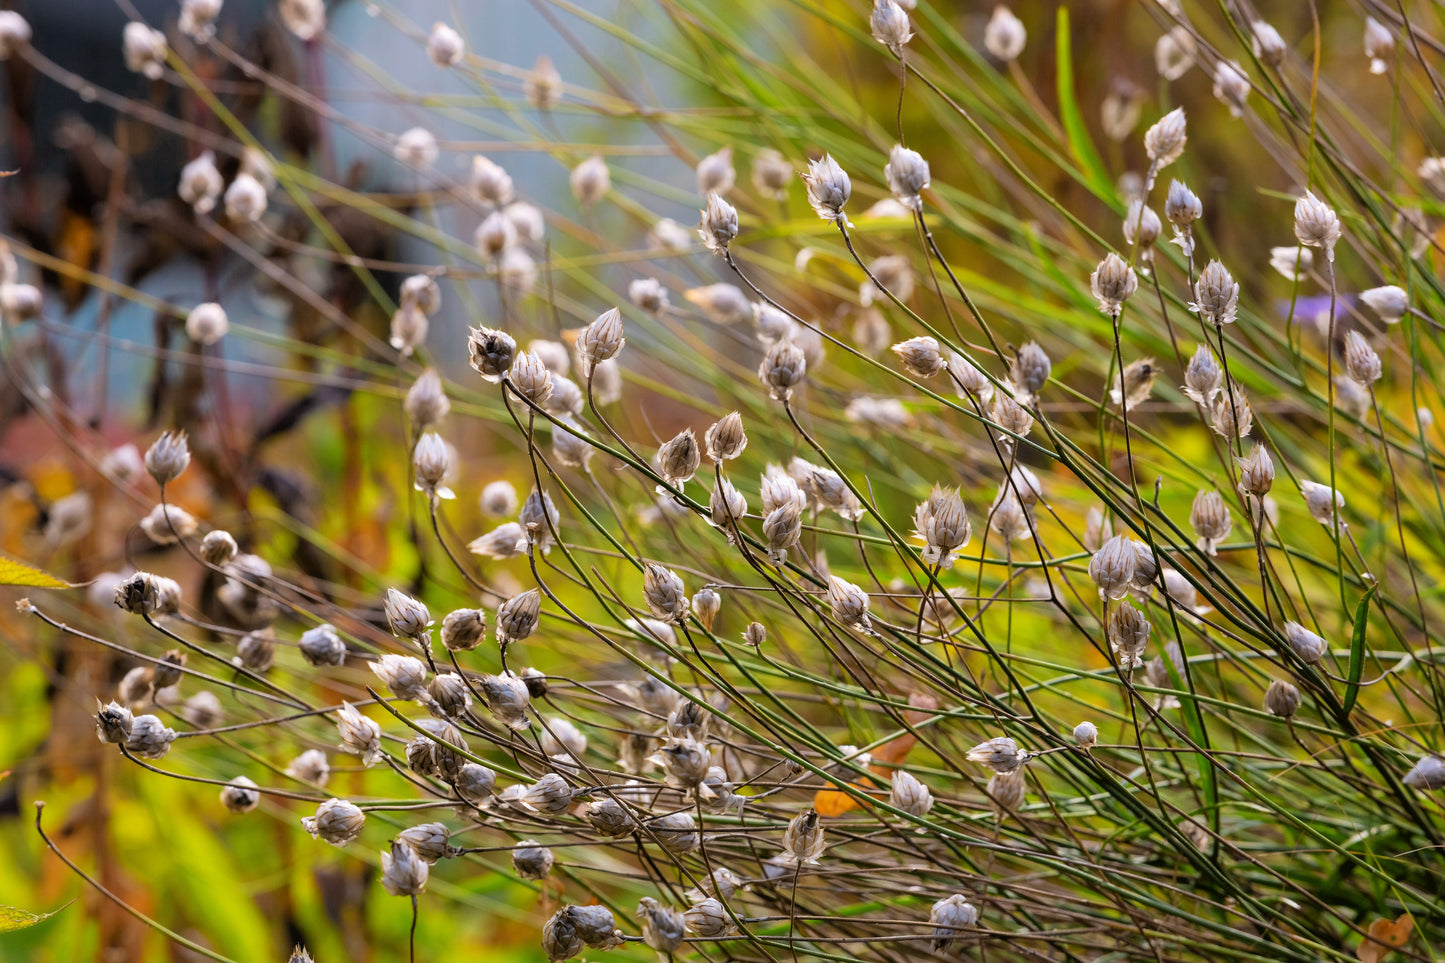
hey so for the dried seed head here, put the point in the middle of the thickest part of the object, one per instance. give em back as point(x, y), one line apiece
point(1097, 529)
point(663, 927)
point(1232, 416)
point(498, 499)
point(1011, 416)
point(517, 272)
point(1174, 54)
point(218, 548)
point(1004, 36)
point(803, 840)
point(1216, 294)
point(679, 458)
point(909, 794)
point(531, 377)
point(722, 303)
point(407, 617)
point(1322, 501)
point(1269, 46)
point(907, 175)
point(322, 646)
point(360, 736)
point(201, 183)
point(719, 225)
point(1029, 371)
point(403, 871)
point(539, 518)
point(706, 603)
point(560, 937)
point(445, 46)
point(1210, 518)
point(560, 737)
point(144, 49)
point(1316, 225)
point(429, 841)
point(783, 368)
point(591, 180)
point(256, 651)
point(304, 18)
point(830, 491)
point(920, 356)
point(771, 174)
point(1389, 302)
point(942, 522)
point(168, 457)
point(1182, 207)
point(1112, 282)
point(726, 438)
point(1133, 385)
point(1379, 44)
point(474, 783)
point(890, 25)
point(530, 860)
point(755, 635)
point(14, 34)
point(149, 738)
point(337, 821)
point(1128, 636)
point(1256, 471)
point(782, 528)
point(1086, 734)
point(1427, 774)
point(1362, 364)
point(1001, 754)
point(168, 524)
point(1203, 378)
point(426, 402)
point(113, 723)
point(664, 593)
point(1231, 86)
point(1282, 698)
point(1308, 646)
point(600, 340)
point(202, 710)
point(1142, 227)
point(135, 686)
point(409, 326)
point(507, 697)
point(828, 185)
point(310, 767)
point(708, 919)
point(240, 795)
point(494, 235)
point(404, 675)
point(649, 295)
point(1164, 142)
point(549, 794)
point(947, 917)
point(715, 174)
point(1112, 567)
point(518, 616)
point(433, 464)
point(849, 604)
point(245, 199)
point(416, 147)
point(491, 353)
point(1006, 792)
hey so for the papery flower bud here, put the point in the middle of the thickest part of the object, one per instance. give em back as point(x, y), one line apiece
point(1362, 364)
point(114, 723)
point(168, 524)
point(664, 593)
point(663, 928)
point(149, 738)
point(1174, 53)
point(1004, 36)
point(464, 629)
point(1216, 294)
point(803, 840)
point(404, 675)
point(426, 401)
point(828, 184)
point(719, 225)
point(445, 46)
point(849, 604)
point(337, 821)
point(407, 617)
point(218, 548)
point(942, 522)
point(168, 457)
point(600, 340)
point(1203, 378)
point(1427, 774)
point(649, 295)
point(531, 860)
point(145, 50)
point(432, 463)
point(544, 84)
point(679, 458)
point(474, 783)
point(1316, 225)
point(1379, 44)
point(1308, 646)
point(1001, 754)
point(1232, 417)
point(310, 767)
point(1112, 283)
point(909, 794)
point(1210, 518)
point(304, 18)
point(531, 378)
point(706, 603)
point(491, 353)
point(591, 180)
point(1086, 734)
point(1231, 86)
point(256, 650)
point(507, 698)
point(920, 356)
point(1112, 567)
point(907, 175)
point(783, 368)
point(561, 939)
point(726, 438)
point(1182, 207)
point(1256, 471)
point(403, 872)
point(1006, 792)
point(416, 147)
point(201, 183)
point(245, 199)
point(1128, 636)
point(1390, 302)
point(890, 25)
point(360, 736)
point(240, 795)
point(947, 917)
point(1269, 46)
point(1141, 228)
point(1322, 501)
point(1029, 371)
point(14, 34)
point(1164, 142)
point(518, 616)
point(726, 507)
point(1282, 699)
point(322, 646)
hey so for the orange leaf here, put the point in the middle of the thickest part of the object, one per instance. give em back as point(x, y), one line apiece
point(833, 802)
point(1384, 937)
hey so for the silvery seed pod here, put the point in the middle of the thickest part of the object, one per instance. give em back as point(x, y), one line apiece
point(942, 522)
point(828, 188)
point(1006, 791)
point(149, 738)
point(726, 439)
point(721, 883)
point(803, 840)
point(705, 605)
point(322, 646)
point(1112, 283)
point(890, 26)
point(310, 767)
point(679, 458)
point(684, 761)
point(1128, 636)
point(144, 49)
point(218, 548)
point(416, 147)
point(409, 327)
point(428, 840)
point(649, 295)
point(907, 175)
point(518, 616)
point(674, 832)
point(591, 180)
point(531, 860)
point(783, 368)
point(113, 723)
point(135, 686)
point(404, 675)
point(1005, 35)
point(909, 794)
point(240, 795)
point(1282, 698)
point(403, 872)
point(1086, 734)
point(1362, 364)
point(1141, 228)
point(299, 954)
point(1232, 416)
point(560, 938)
point(1268, 45)
point(596, 926)
point(337, 821)
point(207, 323)
point(609, 817)
point(549, 794)
point(167, 672)
point(1210, 518)
point(1427, 774)
point(508, 540)
point(168, 457)
point(849, 605)
point(1112, 567)
point(1203, 378)
point(600, 340)
point(1231, 86)
point(1001, 754)
point(920, 356)
point(1390, 302)
point(560, 738)
point(948, 916)
point(426, 401)
point(168, 524)
point(755, 634)
point(474, 783)
point(708, 919)
point(530, 376)
point(535, 681)
point(688, 720)
point(491, 353)
point(567, 400)
point(1216, 294)
point(833, 493)
point(1164, 142)
point(256, 651)
point(1308, 646)
point(664, 593)
point(202, 710)
point(245, 199)
point(1174, 53)
point(498, 499)
point(543, 84)
point(771, 174)
point(539, 518)
point(407, 617)
point(1322, 501)
point(445, 46)
point(507, 698)
point(719, 224)
point(721, 303)
point(449, 695)
point(201, 183)
point(360, 736)
point(663, 927)
point(1029, 370)
point(1316, 225)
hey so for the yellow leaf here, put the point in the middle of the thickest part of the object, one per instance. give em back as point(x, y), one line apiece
point(13, 573)
point(17, 919)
